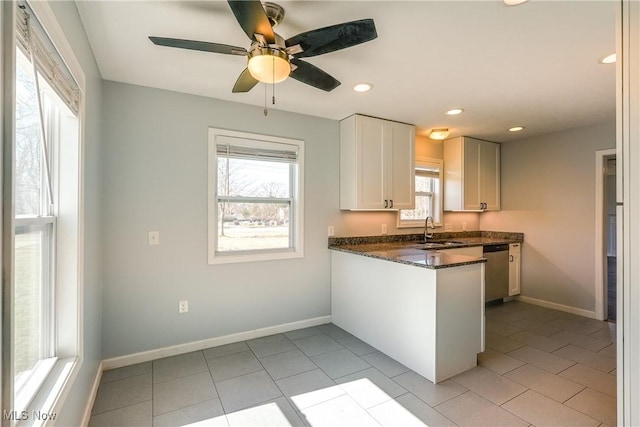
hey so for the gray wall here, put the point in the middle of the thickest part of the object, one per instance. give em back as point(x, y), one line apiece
point(548, 193)
point(91, 320)
point(155, 178)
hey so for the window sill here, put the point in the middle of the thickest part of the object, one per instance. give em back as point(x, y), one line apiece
point(254, 256)
point(416, 225)
point(42, 409)
point(28, 383)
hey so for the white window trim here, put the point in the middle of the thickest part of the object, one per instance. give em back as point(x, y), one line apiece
point(425, 162)
point(297, 213)
point(52, 394)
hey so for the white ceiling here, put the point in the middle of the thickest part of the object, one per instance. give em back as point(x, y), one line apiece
point(534, 65)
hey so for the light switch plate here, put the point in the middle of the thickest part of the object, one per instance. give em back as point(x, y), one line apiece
point(384, 229)
point(330, 231)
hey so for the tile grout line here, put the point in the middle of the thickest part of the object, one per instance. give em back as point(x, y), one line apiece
point(122, 407)
point(215, 388)
point(152, 393)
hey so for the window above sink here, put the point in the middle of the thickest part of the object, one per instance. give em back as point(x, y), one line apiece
point(428, 195)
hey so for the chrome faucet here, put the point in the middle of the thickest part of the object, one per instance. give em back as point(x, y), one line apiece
point(428, 235)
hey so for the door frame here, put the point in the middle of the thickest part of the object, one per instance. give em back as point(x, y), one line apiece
point(600, 252)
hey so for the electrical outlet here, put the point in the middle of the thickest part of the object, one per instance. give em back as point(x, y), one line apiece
point(330, 231)
point(464, 226)
point(183, 306)
point(384, 229)
point(154, 238)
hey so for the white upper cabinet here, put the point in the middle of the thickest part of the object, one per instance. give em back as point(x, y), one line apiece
point(377, 161)
point(471, 175)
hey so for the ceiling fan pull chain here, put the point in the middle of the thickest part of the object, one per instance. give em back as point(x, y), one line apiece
point(265, 100)
point(273, 84)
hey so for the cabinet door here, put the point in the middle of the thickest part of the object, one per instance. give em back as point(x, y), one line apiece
point(452, 159)
point(371, 182)
point(514, 269)
point(401, 166)
point(471, 170)
point(490, 175)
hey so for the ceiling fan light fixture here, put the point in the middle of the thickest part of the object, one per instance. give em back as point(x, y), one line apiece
point(454, 111)
point(269, 65)
point(516, 128)
point(439, 134)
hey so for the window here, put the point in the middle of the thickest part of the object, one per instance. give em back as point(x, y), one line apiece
point(46, 227)
point(255, 203)
point(428, 195)
point(35, 220)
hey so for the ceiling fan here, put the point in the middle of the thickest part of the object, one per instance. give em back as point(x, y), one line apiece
point(271, 59)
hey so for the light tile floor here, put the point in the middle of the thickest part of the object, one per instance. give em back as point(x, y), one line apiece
point(541, 367)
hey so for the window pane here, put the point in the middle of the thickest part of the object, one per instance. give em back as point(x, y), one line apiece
point(32, 279)
point(421, 211)
point(253, 226)
point(29, 174)
point(253, 178)
point(424, 184)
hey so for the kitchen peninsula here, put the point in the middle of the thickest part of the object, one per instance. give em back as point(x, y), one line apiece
point(421, 306)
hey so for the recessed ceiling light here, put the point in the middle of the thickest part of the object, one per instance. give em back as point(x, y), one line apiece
point(514, 2)
point(609, 59)
point(454, 111)
point(516, 129)
point(363, 87)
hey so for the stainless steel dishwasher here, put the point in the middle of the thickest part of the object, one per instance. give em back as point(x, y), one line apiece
point(496, 275)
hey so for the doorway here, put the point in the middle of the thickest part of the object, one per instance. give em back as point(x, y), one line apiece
point(610, 235)
point(606, 223)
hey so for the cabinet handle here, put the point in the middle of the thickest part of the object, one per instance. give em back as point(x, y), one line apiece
point(510, 258)
point(391, 203)
point(386, 203)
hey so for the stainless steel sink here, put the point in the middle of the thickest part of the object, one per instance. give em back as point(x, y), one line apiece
point(430, 245)
point(438, 245)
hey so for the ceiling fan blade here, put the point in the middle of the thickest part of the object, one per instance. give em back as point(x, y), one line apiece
point(252, 18)
point(313, 76)
point(245, 82)
point(335, 37)
point(197, 45)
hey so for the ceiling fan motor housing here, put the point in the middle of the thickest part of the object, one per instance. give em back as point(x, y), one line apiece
point(274, 12)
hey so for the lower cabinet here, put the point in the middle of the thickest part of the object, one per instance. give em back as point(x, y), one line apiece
point(430, 320)
point(514, 268)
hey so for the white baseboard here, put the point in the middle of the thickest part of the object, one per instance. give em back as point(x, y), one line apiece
point(561, 307)
point(92, 396)
point(147, 356)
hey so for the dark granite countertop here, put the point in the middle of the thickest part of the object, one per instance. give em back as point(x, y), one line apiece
point(411, 249)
